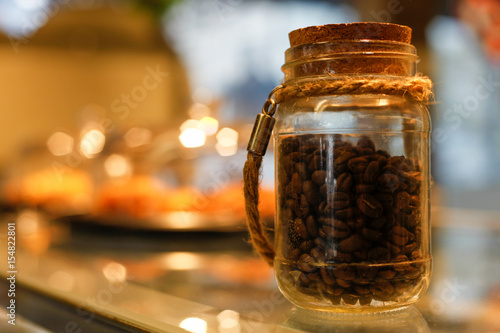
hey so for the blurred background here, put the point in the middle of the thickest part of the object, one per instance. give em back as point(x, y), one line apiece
point(122, 116)
point(102, 94)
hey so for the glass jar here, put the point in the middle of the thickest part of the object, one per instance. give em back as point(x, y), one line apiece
point(352, 175)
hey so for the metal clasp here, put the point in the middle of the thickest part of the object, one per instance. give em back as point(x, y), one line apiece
point(263, 127)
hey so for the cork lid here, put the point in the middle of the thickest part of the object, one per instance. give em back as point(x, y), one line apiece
point(351, 31)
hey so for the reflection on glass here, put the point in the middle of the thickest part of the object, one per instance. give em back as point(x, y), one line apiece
point(229, 321)
point(62, 281)
point(409, 320)
point(181, 261)
point(115, 272)
point(195, 325)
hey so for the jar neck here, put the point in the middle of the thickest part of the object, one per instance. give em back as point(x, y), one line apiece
point(350, 57)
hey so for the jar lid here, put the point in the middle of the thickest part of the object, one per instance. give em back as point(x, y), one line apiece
point(351, 31)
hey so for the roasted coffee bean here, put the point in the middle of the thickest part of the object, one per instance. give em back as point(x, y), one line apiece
point(343, 283)
point(371, 172)
point(388, 182)
point(379, 254)
point(311, 191)
point(386, 274)
point(344, 182)
point(314, 276)
point(370, 206)
point(366, 142)
point(344, 157)
point(347, 213)
point(365, 300)
point(337, 291)
point(402, 200)
point(364, 188)
point(400, 236)
point(366, 272)
point(312, 227)
point(378, 222)
point(300, 228)
point(361, 290)
point(317, 163)
point(341, 200)
point(357, 165)
point(323, 189)
point(371, 235)
point(302, 170)
point(344, 273)
point(289, 145)
point(382, 290)
point(306, 246)
point(327, 278)
point(318, 177)
point(308, 148)
point(350, 299)
point(351, 244)
point(296, 183)
point(306, 263)
point(337, 222)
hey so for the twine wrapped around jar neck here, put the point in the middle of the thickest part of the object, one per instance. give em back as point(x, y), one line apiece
point(417, 88)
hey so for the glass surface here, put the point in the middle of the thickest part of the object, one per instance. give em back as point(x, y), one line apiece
point(157, 281)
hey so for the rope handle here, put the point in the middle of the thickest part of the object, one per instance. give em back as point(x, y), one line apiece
point(257, 146)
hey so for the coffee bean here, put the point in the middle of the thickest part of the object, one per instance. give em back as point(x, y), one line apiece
point(317, 162)
point(341, 200)
point(388, 182)
point(371, 235)
point(315, 276)
point(350, 299)
point(306, 263)
point(371, 172)
point(382, 290)
point(361, 290)
point(344, 273)
point(379, 254)
point(386, 274)
point(344, 157)
point(306, 246)
point(343, 283)
point(300, 228)
point(296, 183)
point(319, 177)
point(364, 188)
point(402, 200)
point(370, 206)
point(400, 236)
point(351, 244)
point(289, 145)
point(338, 222)
point(344, 182)
point(311, 191)
point(345, 213)
point(366, 142)
point(357, 165)
point(312, 227)
point(366, 272)
point(327, 278)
